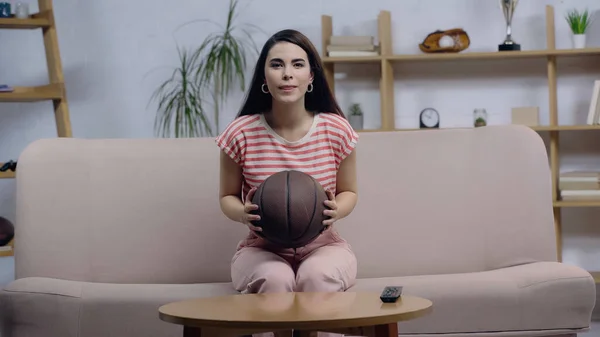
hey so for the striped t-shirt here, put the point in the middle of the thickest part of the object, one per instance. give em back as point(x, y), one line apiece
point(261, 152)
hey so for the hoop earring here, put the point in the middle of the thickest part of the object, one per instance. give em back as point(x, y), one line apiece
point(310, 87)
point(262, 88)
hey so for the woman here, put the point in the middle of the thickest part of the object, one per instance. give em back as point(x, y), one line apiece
point(290, 120)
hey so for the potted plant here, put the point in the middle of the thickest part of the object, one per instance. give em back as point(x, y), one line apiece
point(356, 117)
point(480, 116)
point(181, 107)
point(203, 79)
point(579, 23)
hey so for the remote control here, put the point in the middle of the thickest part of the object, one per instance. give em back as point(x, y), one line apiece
point(390, 294)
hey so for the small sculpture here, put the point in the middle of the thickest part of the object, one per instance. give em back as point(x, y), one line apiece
point(508, 8)
point(446, 41)
point(5, 9)
point(10, 165)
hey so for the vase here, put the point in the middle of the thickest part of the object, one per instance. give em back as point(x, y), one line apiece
point(356, 121)
point(579, 41)
point(21, 10)
point(479, 117)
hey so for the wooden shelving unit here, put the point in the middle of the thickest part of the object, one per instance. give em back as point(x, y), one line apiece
point(387, 59)
point(53, 91)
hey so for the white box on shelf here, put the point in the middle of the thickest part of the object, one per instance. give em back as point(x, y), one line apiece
point(529, 116)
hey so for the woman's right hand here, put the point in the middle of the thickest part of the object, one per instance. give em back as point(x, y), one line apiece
point(248, 217)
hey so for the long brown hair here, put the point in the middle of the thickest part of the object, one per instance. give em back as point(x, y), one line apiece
point(321, 99)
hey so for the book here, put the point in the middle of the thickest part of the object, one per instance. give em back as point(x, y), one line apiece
point(594, 110)
point(351, 40)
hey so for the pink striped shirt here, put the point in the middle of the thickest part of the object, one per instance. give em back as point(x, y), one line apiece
point(250, 142)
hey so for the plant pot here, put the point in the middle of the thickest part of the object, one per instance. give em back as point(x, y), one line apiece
point(356, 121)
point(579, 41)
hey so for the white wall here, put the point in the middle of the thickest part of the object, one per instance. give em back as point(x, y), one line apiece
point(109, 83)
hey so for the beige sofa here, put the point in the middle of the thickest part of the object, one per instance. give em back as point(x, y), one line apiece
point(109, 230)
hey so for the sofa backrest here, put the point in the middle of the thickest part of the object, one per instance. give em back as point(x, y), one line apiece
point(452, 201)
point(147, 210)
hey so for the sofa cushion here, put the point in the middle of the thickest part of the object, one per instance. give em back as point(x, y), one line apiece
point(49, 307)
point(529, 297)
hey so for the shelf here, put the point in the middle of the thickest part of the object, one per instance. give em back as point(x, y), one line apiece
point(468, 56)
point(496, 55)
point(535, 128)
point(582, 127)
point(353, 59)
point(7, 174)
point(33, 94)
point(40, 20)
point(8, 250)
point(471, 56)
point(577, 203)
point(574, 52)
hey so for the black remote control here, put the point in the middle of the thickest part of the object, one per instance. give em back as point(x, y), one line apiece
point(390, 294)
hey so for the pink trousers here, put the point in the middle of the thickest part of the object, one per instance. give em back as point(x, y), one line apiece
point(326, 264)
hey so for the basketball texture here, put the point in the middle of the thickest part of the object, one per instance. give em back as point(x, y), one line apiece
point(290, 205)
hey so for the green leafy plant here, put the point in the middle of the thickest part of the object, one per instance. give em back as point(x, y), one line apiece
point(578, 22)
point(355, 110)
point(181, 108)
point(205, 76)
point(480, 121)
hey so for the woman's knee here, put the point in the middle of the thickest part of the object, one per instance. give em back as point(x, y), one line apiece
point(328, 269)
point(318, 279)
point(275, 279)
point(259, 271)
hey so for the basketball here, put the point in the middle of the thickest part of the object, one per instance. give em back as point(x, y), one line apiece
point(290, 206)
point(7, 231)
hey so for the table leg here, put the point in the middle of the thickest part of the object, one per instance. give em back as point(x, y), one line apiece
point(189, 331)
point(386, 330)
point(363, 331)
point(302, 333)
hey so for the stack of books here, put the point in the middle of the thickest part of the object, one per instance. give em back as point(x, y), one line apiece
point(350, 46)
point(580, 185)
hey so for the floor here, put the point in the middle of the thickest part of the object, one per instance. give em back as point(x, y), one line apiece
point(594, 331)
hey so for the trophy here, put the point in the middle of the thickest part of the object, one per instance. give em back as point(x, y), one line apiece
point(508, 8)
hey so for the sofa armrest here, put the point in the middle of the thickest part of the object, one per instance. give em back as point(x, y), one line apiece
point(46, 307)
point(41, 307)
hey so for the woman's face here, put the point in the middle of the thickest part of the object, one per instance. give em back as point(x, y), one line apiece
point(287, 72)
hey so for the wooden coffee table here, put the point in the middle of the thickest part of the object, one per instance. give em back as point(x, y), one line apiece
point(350, 313)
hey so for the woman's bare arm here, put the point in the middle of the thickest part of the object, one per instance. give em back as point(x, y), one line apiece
point(230, 189)
point(346, 189)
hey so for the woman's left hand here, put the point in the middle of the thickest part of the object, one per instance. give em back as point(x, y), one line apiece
point(332, 211)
